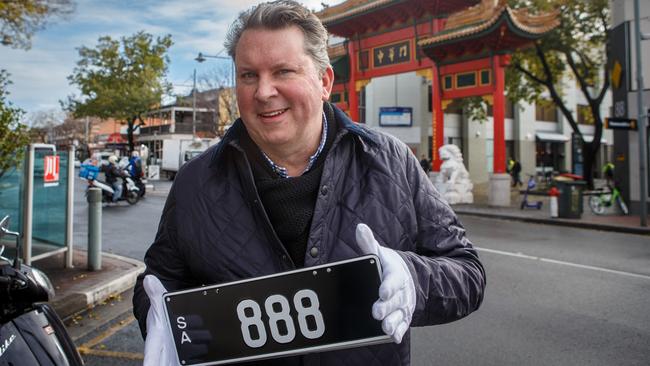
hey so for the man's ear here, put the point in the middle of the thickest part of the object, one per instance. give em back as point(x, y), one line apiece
point(327, 82)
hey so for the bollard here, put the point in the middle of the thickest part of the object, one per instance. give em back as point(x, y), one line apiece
point(94, 198)
point(553, 193)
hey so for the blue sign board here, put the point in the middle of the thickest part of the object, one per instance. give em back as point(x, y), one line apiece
point(395, 116)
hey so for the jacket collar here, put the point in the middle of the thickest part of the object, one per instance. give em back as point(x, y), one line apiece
point(231, 138)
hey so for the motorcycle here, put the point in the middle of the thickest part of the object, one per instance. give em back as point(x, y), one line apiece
point(130, 191)
point(31, 333)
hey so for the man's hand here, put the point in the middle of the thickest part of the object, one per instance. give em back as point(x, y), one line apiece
point(396, 292)
point(159, 348)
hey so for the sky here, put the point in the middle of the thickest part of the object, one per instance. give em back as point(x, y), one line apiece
point(39, 75)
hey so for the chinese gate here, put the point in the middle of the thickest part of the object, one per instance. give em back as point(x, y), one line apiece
point(461, 46)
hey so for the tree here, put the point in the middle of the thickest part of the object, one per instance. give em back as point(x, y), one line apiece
point(574, 50)
point(220, 79)
point(13, 135)
point(42, 124)
point(121, 79)
point(20, 19)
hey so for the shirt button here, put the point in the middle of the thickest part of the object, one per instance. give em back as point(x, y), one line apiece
point(324, 189)
point(313, 252)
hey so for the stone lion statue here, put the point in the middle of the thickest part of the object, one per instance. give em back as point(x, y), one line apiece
point(453, 180)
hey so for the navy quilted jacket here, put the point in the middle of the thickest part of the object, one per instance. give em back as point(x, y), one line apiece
point(214, 229)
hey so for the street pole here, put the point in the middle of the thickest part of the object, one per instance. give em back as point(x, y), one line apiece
point(641, 119)
point(194, 106)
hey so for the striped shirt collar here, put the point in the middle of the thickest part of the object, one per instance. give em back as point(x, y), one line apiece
point(282, 171)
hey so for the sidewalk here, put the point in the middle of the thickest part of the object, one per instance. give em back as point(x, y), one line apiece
point(78, 288)
point(613, 221)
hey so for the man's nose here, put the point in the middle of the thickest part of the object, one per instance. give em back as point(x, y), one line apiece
point(265, 89)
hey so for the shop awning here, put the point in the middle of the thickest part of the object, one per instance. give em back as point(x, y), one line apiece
point(590, 138)
point(551, 137)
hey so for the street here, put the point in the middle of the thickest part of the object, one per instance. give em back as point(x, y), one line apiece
point(555, 295)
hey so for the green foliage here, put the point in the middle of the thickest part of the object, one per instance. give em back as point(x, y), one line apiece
point(121, 79)
point(14, 136)
point(575, 51)
point(20, 19)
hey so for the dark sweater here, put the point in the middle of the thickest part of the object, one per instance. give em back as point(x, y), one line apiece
point(289, 202)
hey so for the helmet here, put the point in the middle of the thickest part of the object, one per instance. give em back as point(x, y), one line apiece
point(112, 159)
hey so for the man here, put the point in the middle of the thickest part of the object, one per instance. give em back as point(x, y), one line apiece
point(113, 175)
point(135, 165)
point(425, 164)
point(515, 171)
point(295, 183)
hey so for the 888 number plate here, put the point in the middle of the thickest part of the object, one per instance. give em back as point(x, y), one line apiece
point(313, 309)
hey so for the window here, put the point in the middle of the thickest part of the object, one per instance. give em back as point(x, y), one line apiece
point(509, 109)
point(485, 77)
point(546, 111)
point(584, 115)
point(465, 80)
point(448, 82)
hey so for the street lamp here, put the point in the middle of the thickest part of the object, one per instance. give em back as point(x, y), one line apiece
point(202, 57)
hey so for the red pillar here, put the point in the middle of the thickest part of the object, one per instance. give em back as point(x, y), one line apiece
point(437, 121)
point(353, 101)
point(499, 163)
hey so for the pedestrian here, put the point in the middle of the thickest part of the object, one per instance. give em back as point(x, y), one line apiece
point(514, 168)
point(425, 164)
point(113, 176)
point(608, 172)
point(295, 183)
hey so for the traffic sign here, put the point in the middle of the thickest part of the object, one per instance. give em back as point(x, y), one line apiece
point(51, 171)
point(313, 309)
point(618, 123)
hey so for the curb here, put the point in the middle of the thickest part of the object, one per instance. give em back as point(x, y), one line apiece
point(559, 222)
point(81, 300)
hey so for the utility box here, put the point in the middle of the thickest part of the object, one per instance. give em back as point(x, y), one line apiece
point(570, 199)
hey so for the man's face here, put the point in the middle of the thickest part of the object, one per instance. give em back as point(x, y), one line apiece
point(279, 90)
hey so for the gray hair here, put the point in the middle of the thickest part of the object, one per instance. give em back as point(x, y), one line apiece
point(281, 14)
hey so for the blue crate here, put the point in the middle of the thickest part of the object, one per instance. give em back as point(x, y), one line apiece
point(88, 171)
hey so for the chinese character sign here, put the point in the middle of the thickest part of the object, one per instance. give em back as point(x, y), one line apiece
point(51, 171)
point(392, 54)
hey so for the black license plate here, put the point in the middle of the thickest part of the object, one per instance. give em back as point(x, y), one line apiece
point(313, 309)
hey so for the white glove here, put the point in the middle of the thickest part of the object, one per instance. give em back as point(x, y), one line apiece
point(159, 348)
point(397, 290)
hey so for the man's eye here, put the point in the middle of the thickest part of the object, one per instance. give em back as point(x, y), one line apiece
point(247, 75)
point(285, 71)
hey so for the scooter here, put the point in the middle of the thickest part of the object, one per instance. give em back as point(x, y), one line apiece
point(529, 187)
point(31, 333)
point(130, 192)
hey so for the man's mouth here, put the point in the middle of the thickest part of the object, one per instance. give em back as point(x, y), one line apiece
point(272, 114)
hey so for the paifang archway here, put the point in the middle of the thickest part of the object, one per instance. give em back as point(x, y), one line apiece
point(462, 46)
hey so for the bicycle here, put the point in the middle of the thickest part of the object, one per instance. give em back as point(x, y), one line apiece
point(600, 202)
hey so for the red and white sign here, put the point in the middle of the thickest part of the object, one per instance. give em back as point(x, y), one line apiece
point(51, 171)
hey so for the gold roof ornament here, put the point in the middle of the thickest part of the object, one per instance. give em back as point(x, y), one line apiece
point(480, 17)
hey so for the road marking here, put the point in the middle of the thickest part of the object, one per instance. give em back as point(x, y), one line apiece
point(86, 348)
point(570, 264)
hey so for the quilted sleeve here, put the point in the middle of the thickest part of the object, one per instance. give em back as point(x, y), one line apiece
point(164, 259)
point(448, 275)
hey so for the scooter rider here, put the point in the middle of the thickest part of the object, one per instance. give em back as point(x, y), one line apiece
point(113, 172)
